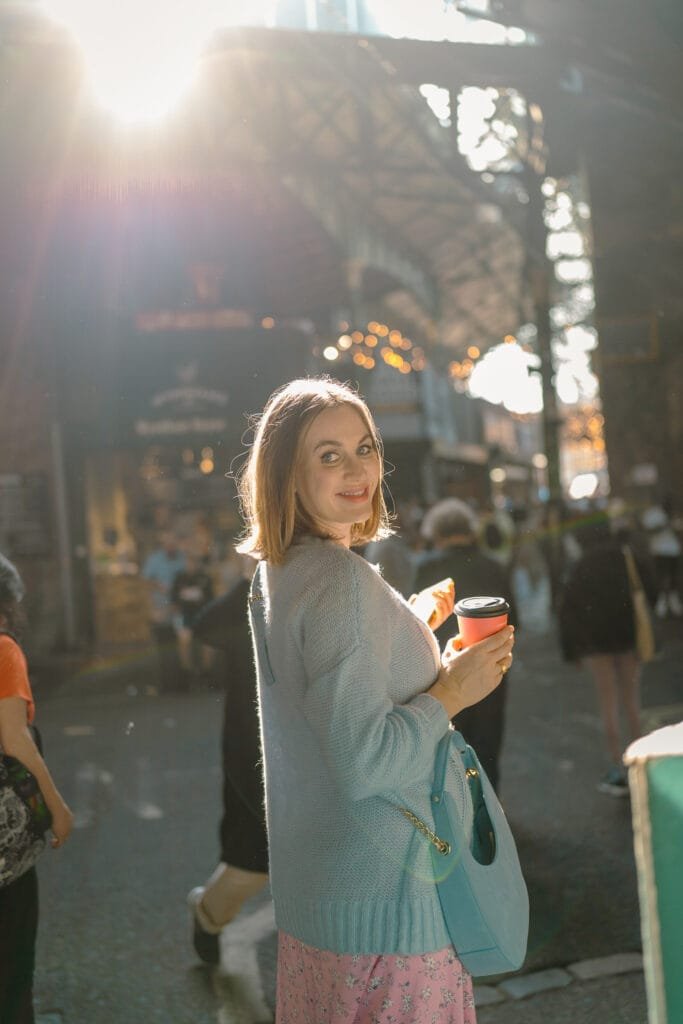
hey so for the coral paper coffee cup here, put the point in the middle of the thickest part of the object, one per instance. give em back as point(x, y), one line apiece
point(479, 617)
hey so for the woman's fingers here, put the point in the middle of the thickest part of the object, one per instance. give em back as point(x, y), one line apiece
point(504, 664)
point(498, 644)
point(454, 644)
point(445, 587)
point(505, 637)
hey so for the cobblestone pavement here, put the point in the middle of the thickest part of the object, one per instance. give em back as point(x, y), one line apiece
point(143, 775)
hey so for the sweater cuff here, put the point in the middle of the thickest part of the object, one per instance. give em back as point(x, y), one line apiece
point(433, 711)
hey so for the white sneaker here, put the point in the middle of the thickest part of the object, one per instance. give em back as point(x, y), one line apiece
point(194, 902)
point(662, 606)
point(675, 606)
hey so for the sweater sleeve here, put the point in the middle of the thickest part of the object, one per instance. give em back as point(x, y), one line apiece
point(371, 745)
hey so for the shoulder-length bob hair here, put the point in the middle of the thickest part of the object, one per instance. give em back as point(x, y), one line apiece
point(273, 515)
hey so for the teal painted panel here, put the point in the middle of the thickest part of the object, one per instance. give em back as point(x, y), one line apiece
point(665, 784)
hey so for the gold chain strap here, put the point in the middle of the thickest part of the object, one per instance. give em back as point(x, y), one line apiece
point(441, 844)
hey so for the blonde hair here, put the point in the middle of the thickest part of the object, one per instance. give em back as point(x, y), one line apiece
point(273, 515)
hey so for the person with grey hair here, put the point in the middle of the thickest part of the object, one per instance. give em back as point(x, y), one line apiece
point(19, 899)
point(452, 529)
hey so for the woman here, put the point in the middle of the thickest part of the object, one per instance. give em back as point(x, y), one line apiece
point(596, 625)
point(19, 899)
point(351, 724)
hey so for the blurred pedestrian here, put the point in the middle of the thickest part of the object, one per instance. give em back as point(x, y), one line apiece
point(597, 629)
point(242, 870)
point(191, 590)
point(453, 530)
point(554, 544)
point(353, 702)
point(497, 535)
point(19, 899)
point(160, 569)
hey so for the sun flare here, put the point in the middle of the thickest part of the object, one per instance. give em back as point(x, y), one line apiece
point(141, 57)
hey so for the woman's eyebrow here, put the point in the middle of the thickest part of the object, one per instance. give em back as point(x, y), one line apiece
point(337, 444)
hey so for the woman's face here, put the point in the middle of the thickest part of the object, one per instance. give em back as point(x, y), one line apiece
point(338, 471)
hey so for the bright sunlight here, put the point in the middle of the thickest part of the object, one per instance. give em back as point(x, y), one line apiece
point(142, 57)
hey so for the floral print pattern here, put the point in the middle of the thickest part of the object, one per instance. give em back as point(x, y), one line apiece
point(315, 986)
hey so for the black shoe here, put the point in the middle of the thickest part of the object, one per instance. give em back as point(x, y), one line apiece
point(206, 944)
point(615, 783)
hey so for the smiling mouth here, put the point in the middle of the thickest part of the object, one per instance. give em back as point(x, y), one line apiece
point(358, 494)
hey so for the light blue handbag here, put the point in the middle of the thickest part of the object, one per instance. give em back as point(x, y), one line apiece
point(478, 876)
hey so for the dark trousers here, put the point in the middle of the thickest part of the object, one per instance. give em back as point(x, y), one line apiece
point(482, 726)
point(18, 929)
point(243, 835)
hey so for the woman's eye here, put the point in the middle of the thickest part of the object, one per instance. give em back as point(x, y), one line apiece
point(328, 457)
point(366, 449)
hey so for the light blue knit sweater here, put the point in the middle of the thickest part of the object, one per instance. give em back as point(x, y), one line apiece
point(348, 734)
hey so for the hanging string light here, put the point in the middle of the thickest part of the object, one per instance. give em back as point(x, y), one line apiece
point(377, 342)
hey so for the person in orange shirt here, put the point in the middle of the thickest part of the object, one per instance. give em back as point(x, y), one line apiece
point(19, 899)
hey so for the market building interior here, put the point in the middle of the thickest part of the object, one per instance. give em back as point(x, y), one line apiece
point(426, 216)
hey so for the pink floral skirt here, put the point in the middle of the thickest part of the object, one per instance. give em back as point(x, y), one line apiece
point(315, 986)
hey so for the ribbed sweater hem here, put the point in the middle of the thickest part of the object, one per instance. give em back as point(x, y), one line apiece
point(367, 926)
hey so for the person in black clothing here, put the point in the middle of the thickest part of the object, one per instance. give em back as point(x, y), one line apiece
point(243, 868)
point(452, 529)
point(597, 629)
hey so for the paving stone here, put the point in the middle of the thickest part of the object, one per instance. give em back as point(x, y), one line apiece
point(487, 995)
point(540, 981)
point(603, 966)
point(49, 1018)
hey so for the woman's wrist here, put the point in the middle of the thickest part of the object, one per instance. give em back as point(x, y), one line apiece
point(446, 696)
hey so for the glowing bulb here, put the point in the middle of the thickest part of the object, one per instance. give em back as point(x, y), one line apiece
point(330, 352)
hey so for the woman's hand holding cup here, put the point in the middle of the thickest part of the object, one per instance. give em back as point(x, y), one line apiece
point(469, 675)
